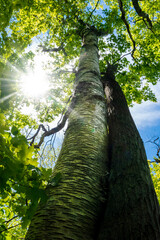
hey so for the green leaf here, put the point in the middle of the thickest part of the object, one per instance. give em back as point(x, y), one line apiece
point(55, 181)
point(14, 130)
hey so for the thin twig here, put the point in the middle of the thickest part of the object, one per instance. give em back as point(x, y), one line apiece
point(127, 26)
point(93, 10)
point(52, 142)
point(35, 135)
point(60, 125)
point(158, 148)
point(11, 219)
point(54, 49)
point(10, 227)
point(29, 132)
point(150, 28)
point(122, 57)
point(53, 130)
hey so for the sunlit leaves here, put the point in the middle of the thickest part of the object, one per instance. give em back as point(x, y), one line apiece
point(22, 183)
point(155, 173)
point(51, 24)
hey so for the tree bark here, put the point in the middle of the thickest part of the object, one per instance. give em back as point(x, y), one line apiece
point(132, 210)
point(73, 207)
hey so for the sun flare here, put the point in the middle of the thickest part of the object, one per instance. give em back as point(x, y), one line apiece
point(34, 84)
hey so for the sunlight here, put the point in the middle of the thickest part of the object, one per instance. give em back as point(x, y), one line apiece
point(7, 97)
point(34, 83)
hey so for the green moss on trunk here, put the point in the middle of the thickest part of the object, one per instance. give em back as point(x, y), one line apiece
point(72, 209)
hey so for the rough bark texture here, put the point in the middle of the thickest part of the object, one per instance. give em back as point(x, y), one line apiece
point(73, 207)
point(132, 210)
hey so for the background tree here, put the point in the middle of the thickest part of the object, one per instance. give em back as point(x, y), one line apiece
point(129, 27)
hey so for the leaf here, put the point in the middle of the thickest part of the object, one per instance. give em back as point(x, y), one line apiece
point(46, 173)
point(2, 227)
point(55, 181)
point(14, 130)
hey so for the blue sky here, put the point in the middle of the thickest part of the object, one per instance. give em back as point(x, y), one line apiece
point(147, 119)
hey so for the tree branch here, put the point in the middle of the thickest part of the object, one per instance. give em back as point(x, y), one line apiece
point(127, 26)
point(10, 227)
point(141, 13)
point(93, 10)
point(11, 219)
point(35, 135)
point(122, 57)
point(157, 159)
point(54, 49)
point(150, 29)
point(53, 130)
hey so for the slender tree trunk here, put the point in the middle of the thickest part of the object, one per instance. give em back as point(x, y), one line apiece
point(73, 207)
point(132, 210)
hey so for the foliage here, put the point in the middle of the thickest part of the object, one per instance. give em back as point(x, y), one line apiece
point(56, 29)
point(155, 173)
point(22, 182)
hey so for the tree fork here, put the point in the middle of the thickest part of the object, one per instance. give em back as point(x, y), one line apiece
point(73, 207)
point(132, 209)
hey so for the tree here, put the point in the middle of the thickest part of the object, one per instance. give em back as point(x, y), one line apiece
point(130, 184)
point(108, 171)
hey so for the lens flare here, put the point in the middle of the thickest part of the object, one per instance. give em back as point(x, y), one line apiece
point(34, 84)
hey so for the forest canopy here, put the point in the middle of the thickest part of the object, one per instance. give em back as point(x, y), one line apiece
point(40, 45)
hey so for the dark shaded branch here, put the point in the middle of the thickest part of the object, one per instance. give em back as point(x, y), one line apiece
point(54, 49)
point(35, 135)
point(141, 13)
point(154, 142)
point(61, 124)
point(127, 26)
point(11, 219)
point(150, 28)
point(157, 159)
point(93, 10)
point(122, 57)
point(6, 229)
point(54, 130)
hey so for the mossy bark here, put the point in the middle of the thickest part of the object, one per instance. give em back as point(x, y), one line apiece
point(132, 210)
point(73, 207)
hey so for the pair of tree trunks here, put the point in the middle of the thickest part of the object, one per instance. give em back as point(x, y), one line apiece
point(101, 172)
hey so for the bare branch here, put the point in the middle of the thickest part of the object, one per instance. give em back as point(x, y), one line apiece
point(54, 130)
point(141, 13)
point(60, 125)
point(157, 159)
point(127, 26)
point(154, 141)
point(35, 135)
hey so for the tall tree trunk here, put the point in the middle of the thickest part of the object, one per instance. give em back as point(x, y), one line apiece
point(132, 210)
point(73, 207)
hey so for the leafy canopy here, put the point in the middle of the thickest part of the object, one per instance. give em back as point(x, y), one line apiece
point(128, 37)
